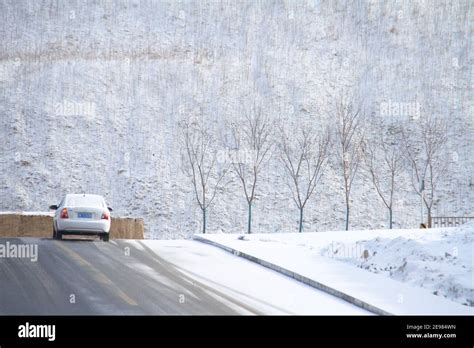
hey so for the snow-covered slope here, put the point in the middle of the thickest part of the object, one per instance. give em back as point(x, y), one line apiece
point(91, 92)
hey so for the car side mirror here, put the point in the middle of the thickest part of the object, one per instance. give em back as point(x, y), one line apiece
point(110, 209)
point(53, 207)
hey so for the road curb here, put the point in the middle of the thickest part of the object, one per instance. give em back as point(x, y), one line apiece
point(308, 281)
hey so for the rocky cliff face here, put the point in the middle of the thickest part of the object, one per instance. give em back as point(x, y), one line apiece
point(91, 92)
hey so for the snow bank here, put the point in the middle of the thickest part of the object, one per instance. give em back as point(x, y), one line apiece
point(437, 260)
point(440, 260)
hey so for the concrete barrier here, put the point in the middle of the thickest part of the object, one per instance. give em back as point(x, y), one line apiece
point(127, 228)
point(41, 225)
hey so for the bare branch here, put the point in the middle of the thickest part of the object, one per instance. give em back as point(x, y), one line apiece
point(201, 162)
point(252, 138)
point(424, 146)
point(349, 140)
point(304, 155)
point(383, 161)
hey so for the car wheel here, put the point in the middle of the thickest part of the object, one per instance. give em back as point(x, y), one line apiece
point(59, 235)
point(54, 234)
point(105, 237)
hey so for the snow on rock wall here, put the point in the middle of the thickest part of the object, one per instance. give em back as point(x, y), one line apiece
point(91, 92)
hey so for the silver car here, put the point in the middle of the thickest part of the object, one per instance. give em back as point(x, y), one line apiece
point(82, 214)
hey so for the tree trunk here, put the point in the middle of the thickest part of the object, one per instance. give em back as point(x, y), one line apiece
point(429, 217)
point(347, 216)
point(391, 215)
point(301, 220)
point(249, 224)
point(204, 221)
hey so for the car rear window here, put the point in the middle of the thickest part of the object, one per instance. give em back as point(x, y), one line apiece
point(77, 201)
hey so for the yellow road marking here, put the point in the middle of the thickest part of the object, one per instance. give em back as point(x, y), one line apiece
point(97, 275)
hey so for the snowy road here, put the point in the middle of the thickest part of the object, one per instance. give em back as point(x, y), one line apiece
point(147, 277)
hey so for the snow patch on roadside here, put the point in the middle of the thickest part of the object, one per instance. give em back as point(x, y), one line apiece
point(440, 260)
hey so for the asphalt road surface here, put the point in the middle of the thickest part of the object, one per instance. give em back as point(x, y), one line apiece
point(79, 277)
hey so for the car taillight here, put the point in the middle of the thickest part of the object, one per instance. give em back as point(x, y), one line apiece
point(105, 216)
point(64, 214)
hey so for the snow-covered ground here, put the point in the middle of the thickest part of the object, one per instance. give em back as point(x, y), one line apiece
point(261, 289)
point(439, 261)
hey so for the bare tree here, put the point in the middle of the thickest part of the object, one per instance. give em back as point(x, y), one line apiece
point(304, 155)
point(348, 147)
point(200, 156)
point(425, 147)
point(251, 138)
point(384, 162)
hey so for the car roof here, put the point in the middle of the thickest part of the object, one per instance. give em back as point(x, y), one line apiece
point(82, 195)
point(84, 200)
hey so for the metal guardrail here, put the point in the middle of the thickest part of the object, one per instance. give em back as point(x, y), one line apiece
point(449, 221)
